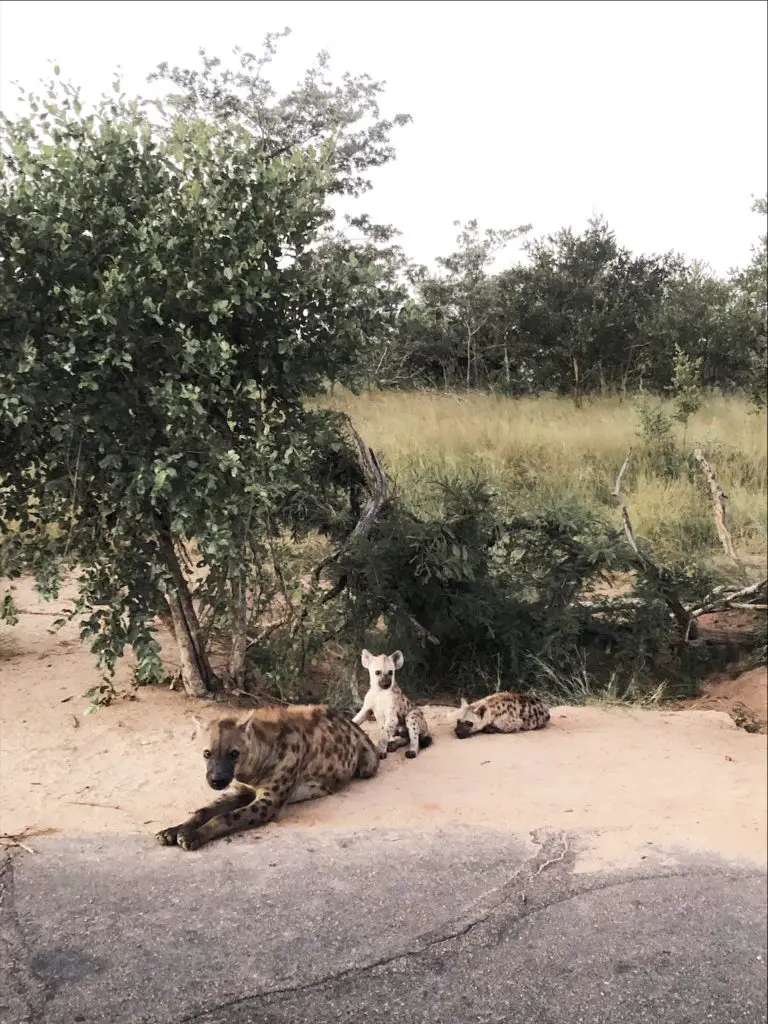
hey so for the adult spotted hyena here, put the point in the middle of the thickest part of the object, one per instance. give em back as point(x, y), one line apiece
point(400, 722)
point(273, 757)
point(501, 712)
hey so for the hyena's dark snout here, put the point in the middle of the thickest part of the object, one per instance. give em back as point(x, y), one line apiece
point(218, 780)
point(463, 731)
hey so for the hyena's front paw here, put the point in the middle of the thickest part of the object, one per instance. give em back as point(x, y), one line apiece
point(168, 836)
point(178, 835)
point(189, 841)
point(382, 752)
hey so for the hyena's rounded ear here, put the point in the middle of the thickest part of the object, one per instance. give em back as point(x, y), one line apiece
point(398, 659)
point(464, 704)
point(366, 657)
point(250, 721)
point(199, 725)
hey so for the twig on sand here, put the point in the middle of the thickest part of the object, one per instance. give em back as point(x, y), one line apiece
point(10, 841)
point(91, 803)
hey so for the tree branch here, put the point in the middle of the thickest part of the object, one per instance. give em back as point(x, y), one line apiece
point(378, 498)
point(718, 503)
point(684, 619)
point(627, 523)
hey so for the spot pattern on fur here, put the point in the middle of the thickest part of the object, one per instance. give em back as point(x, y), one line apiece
point(505, 711)
point(273, 757)
point(400, 722)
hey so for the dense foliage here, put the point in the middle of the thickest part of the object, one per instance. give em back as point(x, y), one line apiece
point(174, 286)
point(580, 315)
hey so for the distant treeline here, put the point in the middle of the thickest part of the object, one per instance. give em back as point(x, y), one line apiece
point(581, 315)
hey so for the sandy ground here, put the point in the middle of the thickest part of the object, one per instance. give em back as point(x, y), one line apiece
point(634, 783)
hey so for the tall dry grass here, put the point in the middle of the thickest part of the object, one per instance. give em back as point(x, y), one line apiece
point(545, 451)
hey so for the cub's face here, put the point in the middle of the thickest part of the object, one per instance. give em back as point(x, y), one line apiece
point(469, 721)
point(222, 743)
point(382, 668)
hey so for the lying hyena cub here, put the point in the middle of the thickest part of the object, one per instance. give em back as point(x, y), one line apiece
point(501, 712)
point(401, 723)
point(275, 756)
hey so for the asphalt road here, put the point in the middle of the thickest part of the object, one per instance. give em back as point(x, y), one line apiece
point(459, 926)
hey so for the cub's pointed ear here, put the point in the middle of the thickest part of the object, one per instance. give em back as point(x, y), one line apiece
point(366, 658)
point(464, 704)
point(398, 659)
point(198, 726)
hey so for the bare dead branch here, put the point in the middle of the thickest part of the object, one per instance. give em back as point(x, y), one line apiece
point(424, 634)
point(629, 533)
point(377, 486)
point(730, 600)
point(376, 482)
point(622, 471)
point(718, 503)
point(685, 620)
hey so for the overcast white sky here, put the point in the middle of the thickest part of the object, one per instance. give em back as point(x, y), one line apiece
point(651, 113)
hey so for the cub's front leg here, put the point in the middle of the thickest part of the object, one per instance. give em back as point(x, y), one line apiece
point(365, 710)
point(388, 732)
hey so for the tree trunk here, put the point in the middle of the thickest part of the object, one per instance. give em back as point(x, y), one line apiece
point(239, 646)
point(197, 677)
point(576, 383)
point(191, 676)
point(506, 366)
point(469, 359)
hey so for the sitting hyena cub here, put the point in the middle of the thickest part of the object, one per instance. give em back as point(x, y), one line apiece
point(501, 712)
point(400, 722)
point(274, 757)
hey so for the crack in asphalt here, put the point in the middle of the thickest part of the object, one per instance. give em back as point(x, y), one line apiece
point(528, 891)
point(425, 942)
point(529, 873)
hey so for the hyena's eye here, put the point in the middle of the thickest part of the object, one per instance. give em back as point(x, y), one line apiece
point(206, 754)
point(234, 754)
point(378, 671)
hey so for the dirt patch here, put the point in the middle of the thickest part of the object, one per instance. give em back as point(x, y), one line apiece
point(634, 783)
point(748, 690)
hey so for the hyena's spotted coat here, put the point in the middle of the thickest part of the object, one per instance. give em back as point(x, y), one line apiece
point(400, 722)
point(501, 712)
point(275, 756)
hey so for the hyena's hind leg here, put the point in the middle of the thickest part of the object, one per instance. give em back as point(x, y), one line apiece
point(309, 789)
point(367, 761)
point(418, 732)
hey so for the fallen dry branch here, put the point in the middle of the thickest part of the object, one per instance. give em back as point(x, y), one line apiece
point(718, 503)
point(733, 600)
